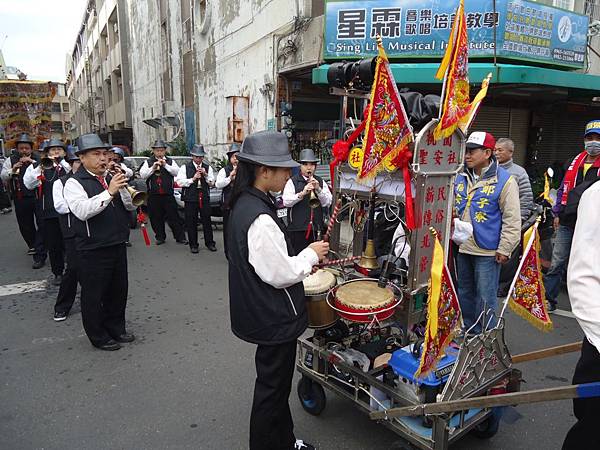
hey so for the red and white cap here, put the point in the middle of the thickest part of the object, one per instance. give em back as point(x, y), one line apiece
point(479, 139)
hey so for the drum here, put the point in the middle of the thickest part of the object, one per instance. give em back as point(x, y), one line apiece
point(362, 300)
point(316, 287)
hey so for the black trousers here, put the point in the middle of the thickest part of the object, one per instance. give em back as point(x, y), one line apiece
point(271, 425)
point(104, 285)
point(191, 222)
point(4, 200)
point(68, 285)
point(584, 434)
point(25, 212)
point(163, 208)
point(299, 241)
point(53, 241)
point(226, 213)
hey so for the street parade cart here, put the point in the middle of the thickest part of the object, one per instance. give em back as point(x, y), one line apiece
point(386, 325)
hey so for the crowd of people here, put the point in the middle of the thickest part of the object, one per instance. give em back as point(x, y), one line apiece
point(73, 206)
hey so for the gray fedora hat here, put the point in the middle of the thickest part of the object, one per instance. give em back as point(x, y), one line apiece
point(234, 148)
point(307, 155)
point(24, 139)
point(72, 154)
point(55, 143)
point(159, 143)
point(267, 148)
point(89, 141)
point(198, 150)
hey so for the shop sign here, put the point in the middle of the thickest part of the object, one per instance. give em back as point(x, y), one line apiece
point(525, 31)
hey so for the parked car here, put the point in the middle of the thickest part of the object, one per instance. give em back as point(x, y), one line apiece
point(136, 162)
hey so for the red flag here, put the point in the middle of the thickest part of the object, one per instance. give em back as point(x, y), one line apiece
point(443, 312)
point(527, 295)
point(387, 130)
point(455, 71)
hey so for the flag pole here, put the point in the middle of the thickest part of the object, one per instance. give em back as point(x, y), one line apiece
point(525, 252)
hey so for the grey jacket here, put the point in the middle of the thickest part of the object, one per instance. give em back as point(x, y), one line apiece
point(525, 192)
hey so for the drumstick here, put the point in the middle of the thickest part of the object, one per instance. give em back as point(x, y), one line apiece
point(336, 211)
point(335, 262)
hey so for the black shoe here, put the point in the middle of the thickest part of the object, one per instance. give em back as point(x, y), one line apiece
point(60, 316)
point(57, 280)
point(182, 241)
point(194, 249)
point(38, 264)
point(551, 306)
point(211, 247)
point(127, 244)
point(109, 346)
point(125, 338)
point(31, 251)
point(301, 445)
point(160, 241)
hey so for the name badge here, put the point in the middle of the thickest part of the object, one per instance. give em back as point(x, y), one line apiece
point(281, 213)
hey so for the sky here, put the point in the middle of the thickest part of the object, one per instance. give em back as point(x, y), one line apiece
point(37, 35)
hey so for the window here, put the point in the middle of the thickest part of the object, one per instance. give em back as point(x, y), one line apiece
point(56, 108)
point(202, 15)
point(65, 107)
point(56, 127)
point(565, 4)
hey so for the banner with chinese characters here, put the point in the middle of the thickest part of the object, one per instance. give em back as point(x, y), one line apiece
point(420, 29)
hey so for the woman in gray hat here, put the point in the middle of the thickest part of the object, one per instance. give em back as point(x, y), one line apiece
point(267, 304)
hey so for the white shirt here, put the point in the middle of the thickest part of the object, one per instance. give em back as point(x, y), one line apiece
point(223, 180)
point(126, 171)
point(31, 180)
point(6, 170)
point(85, 207)
point(290, 197)
point(182, 180)
point(583, 277)
point(60, 204)
point(402, 248)
point(267, 253)
point(146, 171)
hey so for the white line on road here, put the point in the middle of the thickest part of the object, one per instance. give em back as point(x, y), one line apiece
point(562, 312)
point(22, 288)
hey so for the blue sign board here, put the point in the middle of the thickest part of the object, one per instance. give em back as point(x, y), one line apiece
point(517, 29)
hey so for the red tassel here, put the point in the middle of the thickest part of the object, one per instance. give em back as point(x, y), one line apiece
point(145, 234)
point(409, 209)
point(141, 219)
point(310, 224)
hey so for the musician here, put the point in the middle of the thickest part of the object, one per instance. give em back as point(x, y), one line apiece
point(99, 204)
point(41, 178)
point(28, 219)
point(196, 178)
point(225, 179)
point(304, 221)
point(68, 286)
point(117, 157)
point(160, 171)
point(265, 285)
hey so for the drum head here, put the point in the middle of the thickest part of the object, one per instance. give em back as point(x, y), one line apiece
point(364, 294)
point(319, 282)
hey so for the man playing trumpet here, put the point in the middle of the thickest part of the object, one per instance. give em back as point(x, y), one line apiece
point(117, 158)
point(306, 195)
point(41, 178)
point(160, 171)
point(99, 203)
point(196, 178)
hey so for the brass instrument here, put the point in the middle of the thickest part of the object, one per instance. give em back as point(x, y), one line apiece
point(47, 163)
point(368, 259)
point(313, 200)
point(157, 170)
point(138, 198)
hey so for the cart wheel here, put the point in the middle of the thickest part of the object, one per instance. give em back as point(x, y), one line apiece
point(312, 396)
point(489, 427)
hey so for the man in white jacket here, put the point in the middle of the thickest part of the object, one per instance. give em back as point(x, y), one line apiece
point(584, 284)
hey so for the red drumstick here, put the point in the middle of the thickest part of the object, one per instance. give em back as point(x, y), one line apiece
point(336, 211)
point(336, 262)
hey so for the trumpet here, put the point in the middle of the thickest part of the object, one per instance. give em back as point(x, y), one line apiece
point(313, 200)
point(138, 198)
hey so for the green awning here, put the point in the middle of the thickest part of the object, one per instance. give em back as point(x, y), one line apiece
point(424, 73)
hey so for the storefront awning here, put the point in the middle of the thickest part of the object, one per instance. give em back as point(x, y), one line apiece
point(424, 73)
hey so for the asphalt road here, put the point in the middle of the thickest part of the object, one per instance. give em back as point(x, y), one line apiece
point(186, 382)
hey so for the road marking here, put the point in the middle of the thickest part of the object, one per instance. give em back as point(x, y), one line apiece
point(562, 312)
point(22, 288)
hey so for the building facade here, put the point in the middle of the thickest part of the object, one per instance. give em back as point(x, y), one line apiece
point(98, 84)
point(60, 125)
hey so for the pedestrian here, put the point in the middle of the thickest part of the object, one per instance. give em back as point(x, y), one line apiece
point(225, 179)
point(583, 171)
point(196, 178)
point(266, 294)
point(5, 204)
point(307, 197)
point(99, 204)
point(68, 286)
point(41, 179)
point(28, 217)
point(487, 198)
point(583, 281)
point(160, 171)
point(503, 152)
